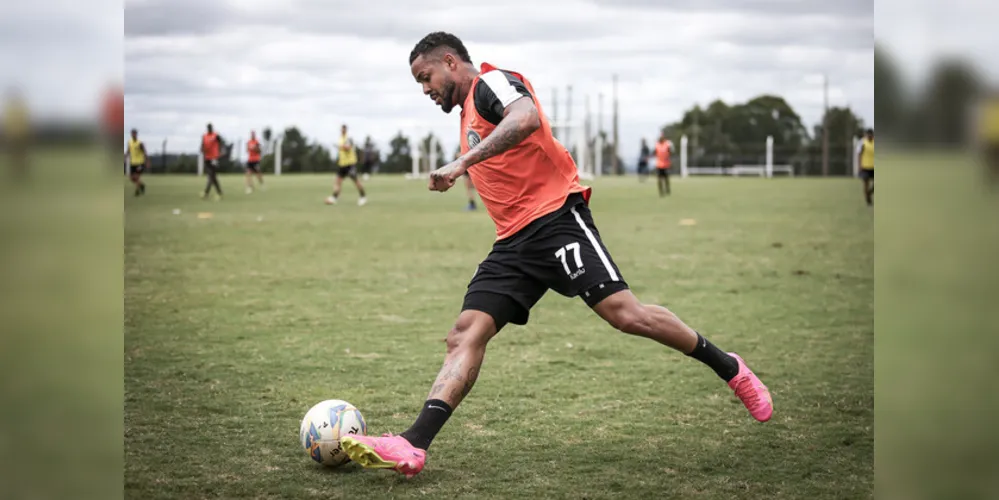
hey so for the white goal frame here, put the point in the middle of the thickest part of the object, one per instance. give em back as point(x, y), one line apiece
point(423, 161)
point(573, 135)
point(767, 170)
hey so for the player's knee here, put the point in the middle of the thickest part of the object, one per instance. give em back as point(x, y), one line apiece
point(473, 329)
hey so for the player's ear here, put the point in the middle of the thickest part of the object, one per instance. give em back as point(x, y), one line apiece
point(450, 61)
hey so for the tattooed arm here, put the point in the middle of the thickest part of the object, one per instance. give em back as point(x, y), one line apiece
point(520, 119)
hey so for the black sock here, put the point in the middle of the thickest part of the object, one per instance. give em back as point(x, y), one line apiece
point(361, 192)
point(724, 365)
point(433, 416)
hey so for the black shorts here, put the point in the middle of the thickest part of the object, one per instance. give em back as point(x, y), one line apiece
point(211, 165)
point(253, 166)
point(136, 169)
point(347, 171)
point(866, 174)
point(561, 251)
point(663, 172)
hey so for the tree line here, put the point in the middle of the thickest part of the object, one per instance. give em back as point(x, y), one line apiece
point(936, 113)
point(720, 134)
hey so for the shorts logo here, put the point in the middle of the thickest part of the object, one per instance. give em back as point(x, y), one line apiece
point(473, 139)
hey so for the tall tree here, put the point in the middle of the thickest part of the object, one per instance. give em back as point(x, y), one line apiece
point(724, 135)
point(844, 126)
point(399, 158)
point(294, 150)
point(890, 106)
point(947, 101)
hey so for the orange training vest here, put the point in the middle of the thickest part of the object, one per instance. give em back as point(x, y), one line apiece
point(662, 154)
point(211, 143)
point(525, 182)
point(253, 148)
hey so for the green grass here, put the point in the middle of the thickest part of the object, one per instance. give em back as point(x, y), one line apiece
point(235, 325)
point(937, 328)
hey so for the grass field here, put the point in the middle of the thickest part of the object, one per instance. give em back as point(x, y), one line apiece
point(236, 324)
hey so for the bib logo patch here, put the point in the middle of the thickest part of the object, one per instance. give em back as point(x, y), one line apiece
point(473, 139)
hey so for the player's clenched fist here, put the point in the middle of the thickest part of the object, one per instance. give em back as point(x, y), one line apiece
point(443, 178)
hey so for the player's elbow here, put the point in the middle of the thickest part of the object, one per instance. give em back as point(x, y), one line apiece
point(531, 120)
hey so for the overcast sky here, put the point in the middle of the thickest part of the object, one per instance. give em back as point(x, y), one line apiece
point(245, 64)
point(318, 63)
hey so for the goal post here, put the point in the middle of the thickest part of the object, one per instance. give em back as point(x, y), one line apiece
point(767, 169)
point(424, 157)
point(574, 137)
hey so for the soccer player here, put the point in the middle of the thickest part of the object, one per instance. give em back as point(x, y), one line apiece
point(662, 164)
point(211, 148)
point(546, 239)
point(470, 191)
point(253, 162)
point(371, 158)
point(138, 162)
point(643, 161)
point(865, 154)
point(469, 187)
point(347, 163)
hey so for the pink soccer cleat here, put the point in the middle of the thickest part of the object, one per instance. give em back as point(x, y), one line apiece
point(386, 452)
point(752, 392)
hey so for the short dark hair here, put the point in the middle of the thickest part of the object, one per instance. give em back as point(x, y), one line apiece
point(870, 131)
point(438, 39)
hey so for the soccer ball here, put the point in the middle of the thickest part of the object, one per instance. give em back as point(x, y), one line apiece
point(322, 427)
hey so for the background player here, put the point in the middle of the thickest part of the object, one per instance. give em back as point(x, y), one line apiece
point(663, 147)
point(470, 191)
point(347, 163)
point(369, 160)
point(138, 162)
point(211, 148)
point(469, 187)
point(643, 161)
point(546, 239)
point(253, 162)
point(865, 154)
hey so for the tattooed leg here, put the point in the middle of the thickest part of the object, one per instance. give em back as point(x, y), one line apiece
point(466, 347)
